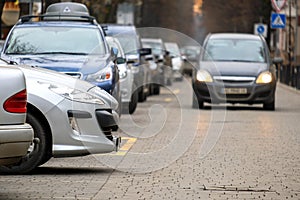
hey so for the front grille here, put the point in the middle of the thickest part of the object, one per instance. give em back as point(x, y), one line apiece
point(234, 79)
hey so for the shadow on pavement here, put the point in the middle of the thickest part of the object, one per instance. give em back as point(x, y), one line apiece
point(69, 171)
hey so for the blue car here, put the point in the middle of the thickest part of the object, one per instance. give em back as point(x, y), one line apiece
point(68, 40)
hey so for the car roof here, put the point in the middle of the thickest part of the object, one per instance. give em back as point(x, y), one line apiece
point(56, 23)
point(234, 36)
point(112, 29)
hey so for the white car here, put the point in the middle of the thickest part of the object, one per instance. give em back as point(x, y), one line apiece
point(15, 135)
point(128, 88)
point(177, 61)
point(70, 117)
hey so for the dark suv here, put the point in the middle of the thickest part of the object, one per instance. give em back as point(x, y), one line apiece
point(68, 40)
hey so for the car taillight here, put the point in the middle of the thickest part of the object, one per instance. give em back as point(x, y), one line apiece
point(16, 103)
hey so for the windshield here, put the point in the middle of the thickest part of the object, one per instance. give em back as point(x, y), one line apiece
point(55, 40)
point(242, 50)
point(128, 42)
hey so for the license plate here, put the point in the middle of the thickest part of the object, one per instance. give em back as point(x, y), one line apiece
point(235, 90)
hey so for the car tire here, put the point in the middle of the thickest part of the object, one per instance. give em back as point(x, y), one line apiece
point(156, 89)
point(142, 96)
point(197, 104)
point(37, 153)
point(133, 103)
point(269, 106)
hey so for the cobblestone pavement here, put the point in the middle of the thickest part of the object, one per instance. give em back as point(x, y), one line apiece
point(171, 151)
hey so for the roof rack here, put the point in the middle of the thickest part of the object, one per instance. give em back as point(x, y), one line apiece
point(59, 17)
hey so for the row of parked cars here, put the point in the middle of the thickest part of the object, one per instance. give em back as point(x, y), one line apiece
point(67, 80)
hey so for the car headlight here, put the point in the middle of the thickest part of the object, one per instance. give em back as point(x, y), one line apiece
point(73, 94)
point(204, 76)
point(264, 77)
point(102, 75)
point(122, 71)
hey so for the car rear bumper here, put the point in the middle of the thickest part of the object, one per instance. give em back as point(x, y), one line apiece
point(215, 93)
point(14, 141)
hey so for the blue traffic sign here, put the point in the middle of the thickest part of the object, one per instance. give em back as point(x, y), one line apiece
point(278, 20)
point(260, 29)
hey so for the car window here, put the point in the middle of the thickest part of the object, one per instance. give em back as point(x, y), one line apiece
point(49, 40)
point(235, 50)
point(156, 47)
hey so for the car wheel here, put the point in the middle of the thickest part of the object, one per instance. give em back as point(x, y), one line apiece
point(133, 103)
point(142, 95)
point(37, 152)
point(197, 104)
point(269, 106)
point(156, 89)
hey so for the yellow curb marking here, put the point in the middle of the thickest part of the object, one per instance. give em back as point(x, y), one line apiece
point(124, 148)
point(168, 99)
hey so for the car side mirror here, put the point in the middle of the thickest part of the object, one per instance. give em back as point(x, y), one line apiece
point(114, 53)
point(120, 60)
point(145, 51)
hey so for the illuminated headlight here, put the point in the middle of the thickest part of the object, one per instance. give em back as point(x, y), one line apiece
point(73, 94)
point(102, 75)
point(204, 76)
point(264, 77)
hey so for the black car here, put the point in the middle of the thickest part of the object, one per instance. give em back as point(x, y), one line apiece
point(235, 68)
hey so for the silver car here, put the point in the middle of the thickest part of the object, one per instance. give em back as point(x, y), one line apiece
point(157, 45)
point(15, 135)
point(129, 91)
point(70, 117)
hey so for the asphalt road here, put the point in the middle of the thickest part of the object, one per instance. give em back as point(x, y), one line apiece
point(171, 151)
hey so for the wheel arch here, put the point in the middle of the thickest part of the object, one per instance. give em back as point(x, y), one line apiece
point(40, 116)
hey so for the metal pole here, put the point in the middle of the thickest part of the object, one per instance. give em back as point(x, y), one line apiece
point(296, 33)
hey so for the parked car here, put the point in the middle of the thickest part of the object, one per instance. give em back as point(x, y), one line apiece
point(127, 85)
point(15, 135)
point(191, 56)
point(235, 68)
point(68, 40)
point(131, 43)
point(70, 117)
point(158, 50)
point(155, 63)
point(177, 61)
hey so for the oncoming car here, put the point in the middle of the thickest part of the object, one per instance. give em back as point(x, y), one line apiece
point(15, 135)
point(70, 117)
point(235, 68)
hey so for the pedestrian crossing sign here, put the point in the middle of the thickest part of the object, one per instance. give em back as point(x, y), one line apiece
point(278, 20)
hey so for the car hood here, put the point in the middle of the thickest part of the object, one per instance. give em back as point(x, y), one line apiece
point(234, 68)
point(85, 64)
point(60, 79)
